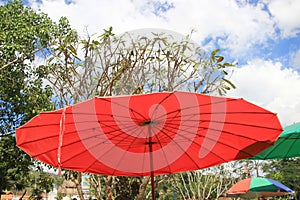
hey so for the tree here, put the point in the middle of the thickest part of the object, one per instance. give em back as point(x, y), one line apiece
point(13, 166)
point(210, 183)
point(114, 65)
point(17, 171)
point(252, 168)
point(39, 180)
point(286, 171)
point(23, 34)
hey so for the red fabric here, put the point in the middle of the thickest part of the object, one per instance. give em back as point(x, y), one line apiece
point(112, 135)
point(242, 186)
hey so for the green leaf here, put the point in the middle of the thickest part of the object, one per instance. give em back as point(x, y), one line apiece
point(215, 52)
point(230, 83)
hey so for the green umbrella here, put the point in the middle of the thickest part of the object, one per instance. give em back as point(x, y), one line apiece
point(286, 146)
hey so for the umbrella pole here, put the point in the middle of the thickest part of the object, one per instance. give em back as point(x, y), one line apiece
point(152, 185)
point(151, 164)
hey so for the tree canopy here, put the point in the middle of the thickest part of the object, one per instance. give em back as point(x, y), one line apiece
point(286, 171)
point(24, 34)
point(14, 165)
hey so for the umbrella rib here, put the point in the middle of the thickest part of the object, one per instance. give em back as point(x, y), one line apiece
point(197, 144)
point(289, 150)
point(281, 141)
point(54, 136)
point(57, 124)
point(121, 105)
point(117, 136)
point(121, 140)
point(163, 151)
point(165, 133)
point(177, 119)
point(65, 133)
point(127, 151)
point(133, 111)
point(281, 144)
point(218, 142)
point(294, 140)
point(72, 142)
point(110, 149)
point(226, 132)
point(207, 104)
point(143, 162)
point(68, 123)
point(269, 151)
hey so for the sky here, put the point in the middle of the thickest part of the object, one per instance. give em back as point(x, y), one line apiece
point(262, 36)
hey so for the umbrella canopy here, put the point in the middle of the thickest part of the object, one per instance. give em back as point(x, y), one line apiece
point(149, 134)
point(258, 187)
point(286, 146)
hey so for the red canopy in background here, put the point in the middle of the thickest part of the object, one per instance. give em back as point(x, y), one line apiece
point(149, 134)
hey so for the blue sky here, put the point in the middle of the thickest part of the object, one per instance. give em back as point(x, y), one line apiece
point(263, 36)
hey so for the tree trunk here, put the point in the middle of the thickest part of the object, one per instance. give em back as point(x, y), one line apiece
point(77, 182)
point(143, 187)
point(108, 188)
point(96, 185)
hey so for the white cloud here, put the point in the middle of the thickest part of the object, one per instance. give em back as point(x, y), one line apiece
point(236, 27)
point(295, 59)
point(266, 84)
point(97, 15)
point(287, 15)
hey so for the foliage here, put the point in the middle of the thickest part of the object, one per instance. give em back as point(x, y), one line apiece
point(23, 33)
point(14, 165)
point(16, 173)
point(39, 182)
point(127, 188)
point(286, 171)
point(210, 183)
point(251, 168)
point(113, 65)
point(117, 187)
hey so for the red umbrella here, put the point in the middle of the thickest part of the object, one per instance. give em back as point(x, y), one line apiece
point(149, 134)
